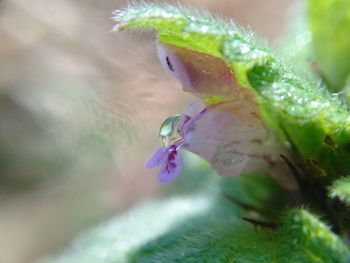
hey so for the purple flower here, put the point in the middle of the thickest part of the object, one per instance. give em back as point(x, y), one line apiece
point(169, 160)
point(168, 157)
point(227, 132)
point(218, 135)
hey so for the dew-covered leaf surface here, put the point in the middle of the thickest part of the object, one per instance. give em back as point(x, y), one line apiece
point(341, 189)
point(208, 227)
point(197, 230)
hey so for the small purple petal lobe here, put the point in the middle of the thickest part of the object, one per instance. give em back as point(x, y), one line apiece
point(157, 158)
point(171, 167)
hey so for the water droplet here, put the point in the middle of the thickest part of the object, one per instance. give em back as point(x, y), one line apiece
point(304, 39)
point(297, 218)
point(204, 29)
point(245, 49)
point(171, 132)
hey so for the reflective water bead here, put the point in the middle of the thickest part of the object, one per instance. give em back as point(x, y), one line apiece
point(171, 132)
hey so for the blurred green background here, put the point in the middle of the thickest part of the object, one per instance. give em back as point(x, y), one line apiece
point(80, 112)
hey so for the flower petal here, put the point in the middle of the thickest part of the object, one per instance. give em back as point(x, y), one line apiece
point(229, 143)
point(171, 168)
point(157, 158)
point(173, 64)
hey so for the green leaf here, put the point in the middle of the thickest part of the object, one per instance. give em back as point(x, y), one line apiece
point(195, 230)
point(341, 189)
point(302, 238)
point(141, 232)
point(172, 228)
point(330, 26)
point(306, 239)
point(206, 227)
